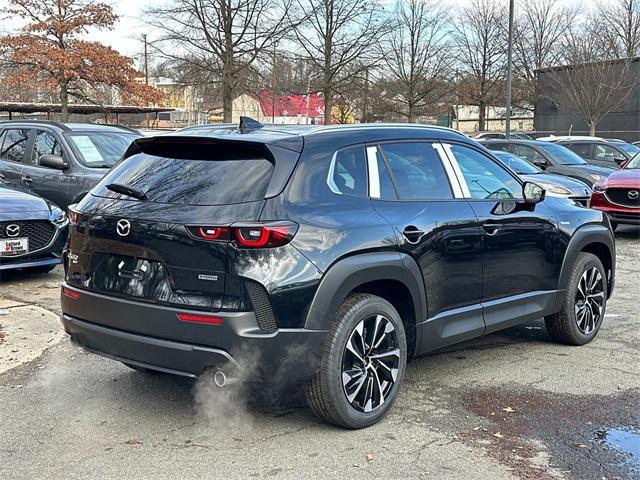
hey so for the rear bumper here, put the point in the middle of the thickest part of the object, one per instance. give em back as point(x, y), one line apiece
point(234, 344)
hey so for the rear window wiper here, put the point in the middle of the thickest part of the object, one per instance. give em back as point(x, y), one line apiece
point(127, 190)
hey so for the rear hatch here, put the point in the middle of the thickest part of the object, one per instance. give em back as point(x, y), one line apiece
point(145, 245)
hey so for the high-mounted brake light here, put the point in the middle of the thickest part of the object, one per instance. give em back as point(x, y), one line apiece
point(190, 317)
point(253, 235)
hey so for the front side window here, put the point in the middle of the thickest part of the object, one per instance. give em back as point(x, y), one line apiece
point(582, 149)
point(417, 171)
point(45, 144)
point(348, 174)
point(606, 153)
point(561, 154)
point(485, 178)
point(14, 145)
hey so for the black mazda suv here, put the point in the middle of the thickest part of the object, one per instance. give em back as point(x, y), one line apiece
point(325, 255)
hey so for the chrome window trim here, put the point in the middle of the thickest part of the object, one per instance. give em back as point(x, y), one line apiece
point(449, 170)
point(466, 193)
point(374, 173)
point(332, 170)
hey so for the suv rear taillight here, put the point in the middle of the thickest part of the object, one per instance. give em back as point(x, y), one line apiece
point(250, 235)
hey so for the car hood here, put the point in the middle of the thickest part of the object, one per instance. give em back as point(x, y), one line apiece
point(576, 187)
point(12, 201)
point(593, 169)
point(624, 178)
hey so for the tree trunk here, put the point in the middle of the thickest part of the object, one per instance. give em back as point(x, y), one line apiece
point(410, 115)
point(328, 118)
point(64, 102)
point(592, 128)
point(227, 103)
point(481, 116)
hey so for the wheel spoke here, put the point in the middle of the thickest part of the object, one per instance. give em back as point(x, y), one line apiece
point(394, 352)
point(368, 395)
point(390, 371)
point(358, 386)
point(388, 328)
point(378, 386)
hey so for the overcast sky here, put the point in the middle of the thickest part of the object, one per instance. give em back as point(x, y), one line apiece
point(126, 36)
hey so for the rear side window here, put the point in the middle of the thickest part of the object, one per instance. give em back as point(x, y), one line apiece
point(14, 145)
point(417, 171)
point(500, 147)
point(192, 182)
point(348, 174)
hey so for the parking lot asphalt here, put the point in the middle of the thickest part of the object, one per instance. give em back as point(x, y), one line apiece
point(508, 405)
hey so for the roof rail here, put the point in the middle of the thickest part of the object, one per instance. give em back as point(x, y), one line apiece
point(354, 126)
point(248, 124)
point(38, 122)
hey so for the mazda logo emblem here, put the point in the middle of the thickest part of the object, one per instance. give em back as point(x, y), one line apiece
point(12, 230)
point(123, 227)
point(633, 194)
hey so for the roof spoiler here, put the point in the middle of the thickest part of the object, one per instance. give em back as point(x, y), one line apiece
point(248, 124)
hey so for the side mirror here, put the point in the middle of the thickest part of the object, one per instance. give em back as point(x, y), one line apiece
point(541, 163)
point(53, 161)
point(532, 193)
point(620, 160)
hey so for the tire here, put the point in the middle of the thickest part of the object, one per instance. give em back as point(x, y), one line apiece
point(325, 393)
point(578, 322)
point(40, 270)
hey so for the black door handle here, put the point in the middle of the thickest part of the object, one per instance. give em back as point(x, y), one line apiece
point(28, 180)
point(412, 233)
point(491, 228)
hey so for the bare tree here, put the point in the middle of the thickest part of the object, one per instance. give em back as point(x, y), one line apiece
point(481, 45)
point(539, 31)
point(220, 40)
point(588, 86)
point(337, 37)
point(618, 24)
point(415, 54)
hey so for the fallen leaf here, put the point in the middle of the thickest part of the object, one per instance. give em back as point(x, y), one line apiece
point(508, 410)
point(475, 429)
point(133, 441)
point(498, 435)
point(369, 457)
point(579, 445)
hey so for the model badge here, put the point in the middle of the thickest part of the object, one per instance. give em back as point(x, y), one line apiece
point(210, 278)
point(123, 227)
point(633, 195)
point(12, 230)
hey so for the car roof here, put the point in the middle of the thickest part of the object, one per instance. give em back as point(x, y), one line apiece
point(294, 136)
point(518, 141)
point(71, 127)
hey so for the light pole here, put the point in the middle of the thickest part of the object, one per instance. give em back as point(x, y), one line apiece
point(507, 122)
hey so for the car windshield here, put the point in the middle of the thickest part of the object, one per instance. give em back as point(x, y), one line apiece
point(517, 164)
point(100, 149)
point(634, 163)
point(561, 155)
point(628, 148)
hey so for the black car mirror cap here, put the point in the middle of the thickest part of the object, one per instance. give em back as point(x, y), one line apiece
point(532, 193)
point(53, 161)
point(540, 163)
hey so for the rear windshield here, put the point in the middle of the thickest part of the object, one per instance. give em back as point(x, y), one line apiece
point(191, 182)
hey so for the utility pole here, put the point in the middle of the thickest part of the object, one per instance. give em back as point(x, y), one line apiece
point(273, 87)
point(507, 122)
point(146, 59)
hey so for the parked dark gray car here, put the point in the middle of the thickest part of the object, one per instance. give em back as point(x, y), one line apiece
point(60, 162)
point(604, 153)
point(552, 158)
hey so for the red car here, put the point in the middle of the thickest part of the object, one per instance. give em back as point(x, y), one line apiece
point(619, 194)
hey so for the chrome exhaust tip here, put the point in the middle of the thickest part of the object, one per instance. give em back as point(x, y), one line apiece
point(220, 378)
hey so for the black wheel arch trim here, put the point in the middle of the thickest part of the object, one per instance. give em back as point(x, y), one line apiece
point(351, 272)
point(584, 236)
